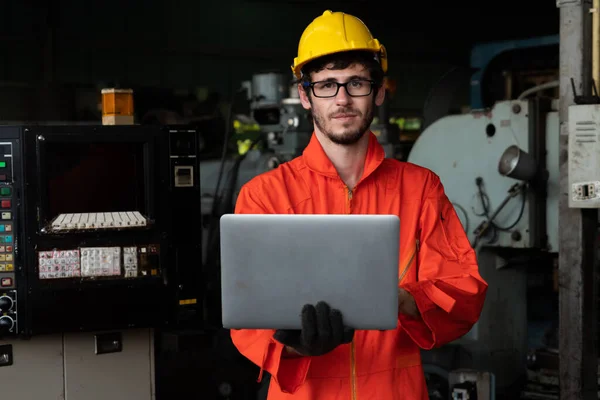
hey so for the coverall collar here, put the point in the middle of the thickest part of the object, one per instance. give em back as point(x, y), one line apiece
point(316, 159)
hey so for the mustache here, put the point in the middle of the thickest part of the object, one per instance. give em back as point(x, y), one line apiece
point(346, 111)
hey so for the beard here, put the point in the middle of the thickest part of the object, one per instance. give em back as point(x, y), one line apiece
point(350, 133)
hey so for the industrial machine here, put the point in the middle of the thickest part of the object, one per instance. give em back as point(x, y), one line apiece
point(284, 130)
point(94, 256)
point(499, 164)
point(499, 168)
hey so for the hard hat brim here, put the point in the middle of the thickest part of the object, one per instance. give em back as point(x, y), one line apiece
point(380, 53)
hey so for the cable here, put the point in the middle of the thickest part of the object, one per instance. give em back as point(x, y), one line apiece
point(485, 202)
point(538, 88)
point(521, 211)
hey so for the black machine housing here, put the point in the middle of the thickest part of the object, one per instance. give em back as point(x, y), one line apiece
point(95, 214)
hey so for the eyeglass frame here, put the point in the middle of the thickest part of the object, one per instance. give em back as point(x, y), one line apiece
point(311, 85)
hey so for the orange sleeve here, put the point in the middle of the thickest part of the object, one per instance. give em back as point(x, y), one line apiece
point(258, 345)
point(449, 291)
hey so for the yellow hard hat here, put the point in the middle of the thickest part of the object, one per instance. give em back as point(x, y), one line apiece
point(334, 32)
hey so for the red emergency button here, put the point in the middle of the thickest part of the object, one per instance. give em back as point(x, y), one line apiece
point(5, 203)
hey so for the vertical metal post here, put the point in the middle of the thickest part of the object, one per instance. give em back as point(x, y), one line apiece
point(596, 42)
point(578, 227)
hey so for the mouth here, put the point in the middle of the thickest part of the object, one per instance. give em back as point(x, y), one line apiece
point(344, 117)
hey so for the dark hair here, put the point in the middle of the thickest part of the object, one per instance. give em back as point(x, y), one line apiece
point(342, 61)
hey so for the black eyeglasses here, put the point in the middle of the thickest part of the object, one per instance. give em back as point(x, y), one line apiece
point(354, 88)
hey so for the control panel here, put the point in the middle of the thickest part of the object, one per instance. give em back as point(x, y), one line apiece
point(99, 262)
point(8, 292)
point(97, 258)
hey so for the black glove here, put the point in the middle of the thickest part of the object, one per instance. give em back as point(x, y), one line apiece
point(322, 331)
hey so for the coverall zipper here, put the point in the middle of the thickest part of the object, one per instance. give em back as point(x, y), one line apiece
point(353, 389)
point(349, 200)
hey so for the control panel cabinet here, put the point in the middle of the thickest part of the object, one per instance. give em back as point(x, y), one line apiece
point(84, 231)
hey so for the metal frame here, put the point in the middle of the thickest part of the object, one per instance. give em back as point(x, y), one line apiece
point(578, 365)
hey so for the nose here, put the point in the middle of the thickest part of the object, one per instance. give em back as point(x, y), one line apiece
point(342, 97)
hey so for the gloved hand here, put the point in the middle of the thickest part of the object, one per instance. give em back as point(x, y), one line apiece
point(322, 331)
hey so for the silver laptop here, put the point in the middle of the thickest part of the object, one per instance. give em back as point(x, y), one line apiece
point(273, 264)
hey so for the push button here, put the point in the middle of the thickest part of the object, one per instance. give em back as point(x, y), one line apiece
point(5, 203)
point(2, 164)
point(6, 215)
point(5, 191)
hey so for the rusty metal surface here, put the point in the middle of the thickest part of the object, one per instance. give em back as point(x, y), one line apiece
point(577, 306)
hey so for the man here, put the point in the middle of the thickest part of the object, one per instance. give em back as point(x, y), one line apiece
point(343, 169)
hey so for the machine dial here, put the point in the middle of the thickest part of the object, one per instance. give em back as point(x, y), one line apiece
point(6, 303)
point(6, 324)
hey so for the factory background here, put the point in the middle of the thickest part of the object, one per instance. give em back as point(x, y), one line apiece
point(190, 64)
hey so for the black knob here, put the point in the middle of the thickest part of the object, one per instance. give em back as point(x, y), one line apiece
point(6, 303)
point(6, 324)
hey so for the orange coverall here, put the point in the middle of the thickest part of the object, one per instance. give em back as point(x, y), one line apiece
point(445, 282)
